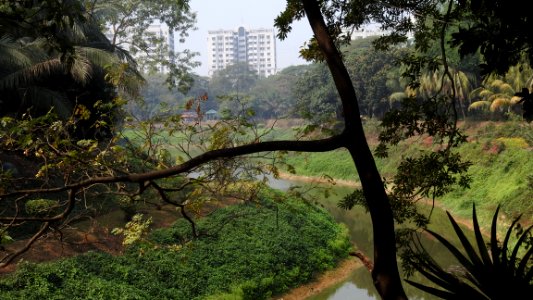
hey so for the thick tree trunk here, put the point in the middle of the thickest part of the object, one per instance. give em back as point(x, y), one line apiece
point(385, 272)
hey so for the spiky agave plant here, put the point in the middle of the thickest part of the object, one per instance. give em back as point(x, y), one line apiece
point(493, 271)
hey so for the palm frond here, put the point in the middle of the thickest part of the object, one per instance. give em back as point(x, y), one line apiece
point(515, 99)
point(12, 55)
point(78, 33)
point(107, 10)
point(475, 92)
point(42, 100)
point(496, 83)
point(479, 105)
point(485, 93)
point(529, 83)
point(31, 74)
point(506, 88)
point(499, 103)
point(81, 68)
point(396, 97)
point(96, 56)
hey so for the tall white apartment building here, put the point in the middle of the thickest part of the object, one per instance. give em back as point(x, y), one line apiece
point(257, 47)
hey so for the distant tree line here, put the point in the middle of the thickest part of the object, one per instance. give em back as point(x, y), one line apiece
point(380, 78)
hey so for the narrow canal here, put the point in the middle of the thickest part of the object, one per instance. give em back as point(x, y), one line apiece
point(359, 284)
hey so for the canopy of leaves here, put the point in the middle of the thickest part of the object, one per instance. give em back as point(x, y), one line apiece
point(57, 41)
point(498, 29)
point(127, 24)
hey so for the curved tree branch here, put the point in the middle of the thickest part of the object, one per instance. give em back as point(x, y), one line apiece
point(322, 145)
point(12, 256)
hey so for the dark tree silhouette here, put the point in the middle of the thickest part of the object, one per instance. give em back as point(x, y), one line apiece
point(527, 104)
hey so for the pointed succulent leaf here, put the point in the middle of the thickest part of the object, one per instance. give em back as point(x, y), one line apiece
point(504, 259)
point(521, 269)
point(456, 252)
point(433, 291)
point(470, 251)
point(518, 245)
point(483, 251)
point(494, 248)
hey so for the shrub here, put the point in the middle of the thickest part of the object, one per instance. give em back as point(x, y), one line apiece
point(244, 252)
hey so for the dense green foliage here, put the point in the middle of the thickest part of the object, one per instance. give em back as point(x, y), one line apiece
point(95, 49)
point(486, 27)
point(57, 41)
point(380, 78)
point(127, 23)
point(336, 164)
point(246, 251)
point(500, 153)
point(500, 173)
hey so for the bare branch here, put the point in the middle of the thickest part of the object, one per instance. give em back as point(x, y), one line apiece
point(62, 215)
point(165, 198)
point(10, 257)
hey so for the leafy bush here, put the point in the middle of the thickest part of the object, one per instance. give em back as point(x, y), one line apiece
point(40, 206)
point(247, 251)
point(514, 142)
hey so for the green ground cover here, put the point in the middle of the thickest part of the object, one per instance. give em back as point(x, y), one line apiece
point(247, 251)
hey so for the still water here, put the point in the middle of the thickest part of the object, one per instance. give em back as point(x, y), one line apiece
point(359, 284)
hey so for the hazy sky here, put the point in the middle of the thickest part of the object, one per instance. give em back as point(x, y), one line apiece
point(230, 14)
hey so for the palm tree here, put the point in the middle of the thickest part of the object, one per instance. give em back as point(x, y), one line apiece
point(79, 57)
point(27, 66)
point(520, 76)
point(461, 84)
point(498, 92)
point(435, 83)
point(496, 96)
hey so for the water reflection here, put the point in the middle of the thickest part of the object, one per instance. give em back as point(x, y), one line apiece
point(359, 284)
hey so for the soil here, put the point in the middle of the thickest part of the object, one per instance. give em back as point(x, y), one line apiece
point(95, 235)
point(325, 280)
point(312, 179)
point(84, 236)
point(71, 242)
